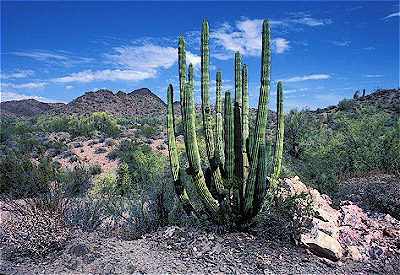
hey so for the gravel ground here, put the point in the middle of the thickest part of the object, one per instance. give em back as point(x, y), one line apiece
point(185, 251)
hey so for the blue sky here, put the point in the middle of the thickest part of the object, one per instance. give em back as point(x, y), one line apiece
point(322, 51)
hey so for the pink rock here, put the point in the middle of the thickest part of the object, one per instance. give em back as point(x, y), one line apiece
point(322, 244)
point(328, 227)
point(349, 235)
point(354, 253)
point(353, 216)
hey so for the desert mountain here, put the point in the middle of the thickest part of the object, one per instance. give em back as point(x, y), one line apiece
point(144, 103)
point(26, 107)
point(138, 103)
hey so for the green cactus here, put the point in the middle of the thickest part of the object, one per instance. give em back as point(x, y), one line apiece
point(206, 111)
point(219, 140)
point(229, 139)
point(238, 160)
point(177, 171)
point(279, 136)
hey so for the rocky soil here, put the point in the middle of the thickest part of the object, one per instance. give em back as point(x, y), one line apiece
point(185, 251)
point(347, 240)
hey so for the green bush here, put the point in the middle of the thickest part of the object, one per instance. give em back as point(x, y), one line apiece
point(345, 104)
point(21, 177)
point(362, 141)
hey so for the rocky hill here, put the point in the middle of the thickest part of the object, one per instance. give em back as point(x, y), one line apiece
point(138, 103)
point(144, 103)
point(27, 107)
point(387, 101)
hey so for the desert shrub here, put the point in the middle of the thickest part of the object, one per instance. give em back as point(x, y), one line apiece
point(75, 181)
point(87, 125)
point(109, 142)
point(138, 199)
point(148, 131)
point(161, 147)
point(298, 125)
point(345, 104)
point(285, 216)
point(21, 177)
point(37, 226)
point(362, 142)
point(100, 150)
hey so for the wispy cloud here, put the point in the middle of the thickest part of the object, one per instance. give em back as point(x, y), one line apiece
point(373, 75)
point(303, 78)
point(62, 58)
point(17, 74)
point(104, 75)
point(341, 43)
point(144, 61)
point(31, 85)
point(306, 19)
point(392, 15)
point(8, 96)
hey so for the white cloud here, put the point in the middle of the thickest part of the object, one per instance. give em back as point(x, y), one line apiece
point(69, 87)
point(31, 85)
point(279, 45)
point(8, 96)
point(312, 22)
point(290, 91)
point(341, 43)
point(373, 75)
point(303, 78)
point(245, 38)
point(103, 75)
point(63, 58)
point(17, 74)
point(392, 15)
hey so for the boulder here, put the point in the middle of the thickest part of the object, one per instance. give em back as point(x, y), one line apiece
point(322, 244)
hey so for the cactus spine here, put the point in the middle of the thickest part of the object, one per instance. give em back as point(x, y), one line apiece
point(243, 157)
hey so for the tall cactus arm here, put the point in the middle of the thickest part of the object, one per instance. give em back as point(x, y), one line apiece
point(279, 137)
point(192, 150)
point(206, 110)
point(238, 142)
point(205, 91)
point(182, 66)
point(261, 119)
point(261, 182)
point(173, 156)
point(245, 120)
point(219, 135)
point(245, 112)
point(229, 139)
point(238, 79)
point(172, 151)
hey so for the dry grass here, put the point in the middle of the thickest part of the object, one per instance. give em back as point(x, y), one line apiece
point(34, 227)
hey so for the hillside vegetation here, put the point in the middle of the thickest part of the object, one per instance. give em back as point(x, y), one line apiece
point(46, 164)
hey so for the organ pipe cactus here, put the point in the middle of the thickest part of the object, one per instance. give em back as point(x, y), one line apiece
point(238, 160)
